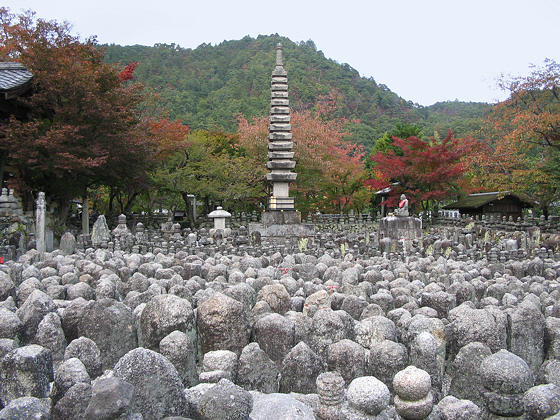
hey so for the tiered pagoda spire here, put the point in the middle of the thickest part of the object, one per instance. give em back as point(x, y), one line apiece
point(280, 143)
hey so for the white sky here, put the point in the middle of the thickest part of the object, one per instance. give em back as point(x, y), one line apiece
point(424, 50)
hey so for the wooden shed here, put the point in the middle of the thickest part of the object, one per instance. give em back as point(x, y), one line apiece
point(491, 204)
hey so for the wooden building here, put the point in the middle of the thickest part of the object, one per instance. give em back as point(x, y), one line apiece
point(491, 204)
point(15, 81)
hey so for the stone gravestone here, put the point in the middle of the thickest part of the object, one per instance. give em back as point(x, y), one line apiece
point(122, 234)
point(68, 243)
point(100, 232)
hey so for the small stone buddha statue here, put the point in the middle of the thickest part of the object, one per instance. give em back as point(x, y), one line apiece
point(402, 210)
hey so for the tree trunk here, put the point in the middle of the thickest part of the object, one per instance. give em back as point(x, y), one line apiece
point(189, 209)
point(111, 199)
point(120, 202)
point(131, 199)
point(63, 207)
point(207, 206)
point(2, 161)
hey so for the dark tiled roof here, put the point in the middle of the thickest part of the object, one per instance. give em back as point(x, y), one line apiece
point(15, 79)
point(478, 200)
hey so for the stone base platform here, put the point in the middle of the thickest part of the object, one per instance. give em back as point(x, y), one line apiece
point(399, 231)
point(269, 218)
point(282, 225)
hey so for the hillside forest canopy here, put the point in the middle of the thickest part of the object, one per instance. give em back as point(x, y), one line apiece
point(138, 128)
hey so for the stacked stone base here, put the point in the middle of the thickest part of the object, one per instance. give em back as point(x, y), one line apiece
point(282, 225)
point(397, 232)
point(270, 218)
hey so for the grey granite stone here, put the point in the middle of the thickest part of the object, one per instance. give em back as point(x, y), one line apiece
point(158, 391)
point(26, 372)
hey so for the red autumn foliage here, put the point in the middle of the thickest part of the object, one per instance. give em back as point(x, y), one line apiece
point(522, 153)
point(532, 112)
point(127, 73)
point(427, 172)
point(168, 137)
point(84, 126)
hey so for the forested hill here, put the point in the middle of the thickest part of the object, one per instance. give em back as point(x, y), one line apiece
point(208, 86)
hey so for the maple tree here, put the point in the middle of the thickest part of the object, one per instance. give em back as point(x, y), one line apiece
point(426, 170)
point(329, 168)
point(522, 148)
point(166, 139)
point(504, 164)
point(82, 127)
point(532, 112)
point(85, 127)
point(510, 166)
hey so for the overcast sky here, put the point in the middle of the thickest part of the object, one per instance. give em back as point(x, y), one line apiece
point(426, 51)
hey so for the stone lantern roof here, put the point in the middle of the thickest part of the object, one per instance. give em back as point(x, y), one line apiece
point(219, 212)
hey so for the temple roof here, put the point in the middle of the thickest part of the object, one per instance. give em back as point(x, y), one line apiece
point(15, 79)
point(478, 200)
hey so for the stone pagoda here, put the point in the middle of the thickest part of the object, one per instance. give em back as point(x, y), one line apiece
point(281, 219)
point(280, 143)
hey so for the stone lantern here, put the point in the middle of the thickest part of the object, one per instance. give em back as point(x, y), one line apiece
point(219, 215)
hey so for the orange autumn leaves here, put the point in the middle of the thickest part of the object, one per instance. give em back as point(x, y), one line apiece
point(521, 152)
point(330, 169)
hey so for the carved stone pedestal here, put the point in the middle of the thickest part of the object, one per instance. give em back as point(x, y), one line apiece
point(396, 232)
point(282, 225)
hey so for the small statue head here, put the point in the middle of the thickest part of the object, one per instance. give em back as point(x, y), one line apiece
point(403, 197)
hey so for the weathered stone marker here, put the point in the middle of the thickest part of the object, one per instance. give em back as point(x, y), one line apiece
point(40, 223)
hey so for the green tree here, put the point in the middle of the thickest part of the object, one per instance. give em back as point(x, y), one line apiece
point(214, 169)
point(401, 131)
point(204, 86)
